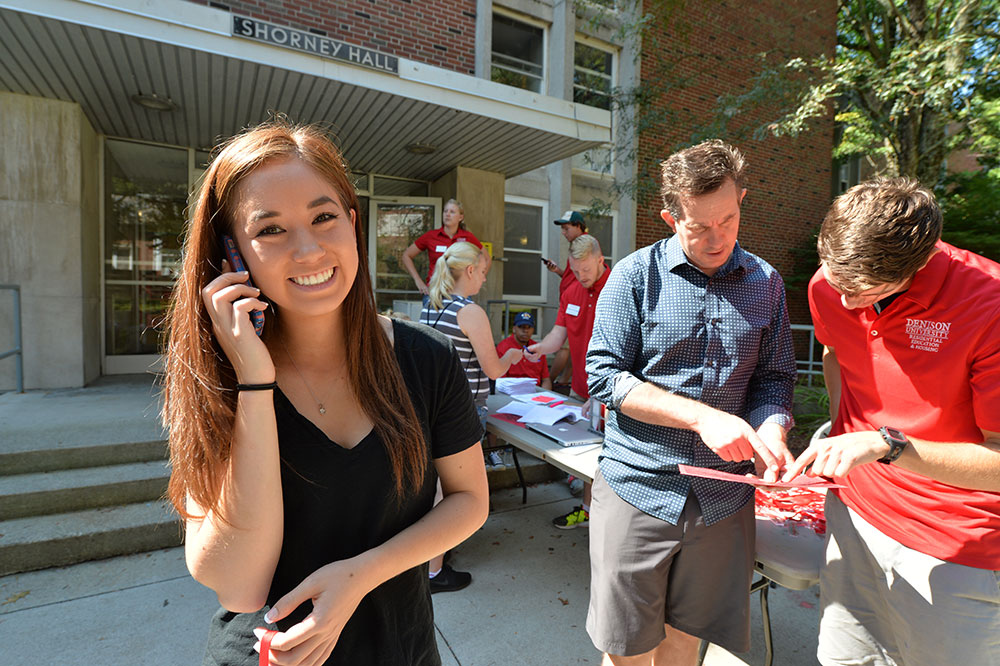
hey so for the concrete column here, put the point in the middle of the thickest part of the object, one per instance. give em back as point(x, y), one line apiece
point(484, 38)
point(562, 40)
point(625, 141)
point(50, 234)
point(481, 194)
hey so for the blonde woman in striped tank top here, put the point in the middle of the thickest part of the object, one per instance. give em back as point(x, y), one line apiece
point(458, 275)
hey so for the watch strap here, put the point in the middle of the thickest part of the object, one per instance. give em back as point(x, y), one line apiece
point(896, 440)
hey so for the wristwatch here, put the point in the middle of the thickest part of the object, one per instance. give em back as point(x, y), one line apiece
point(897, 442)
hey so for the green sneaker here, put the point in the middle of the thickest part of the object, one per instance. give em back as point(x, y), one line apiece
point(575, 518)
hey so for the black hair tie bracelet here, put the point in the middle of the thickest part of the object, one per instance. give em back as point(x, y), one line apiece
point(256, 387)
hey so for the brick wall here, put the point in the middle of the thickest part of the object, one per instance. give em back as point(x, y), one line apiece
point(436, 32)
point(704, 49)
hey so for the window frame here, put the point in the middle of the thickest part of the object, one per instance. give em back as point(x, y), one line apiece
point(593, 43)
point(531, 21)
point(529, 299)
point(610, 257)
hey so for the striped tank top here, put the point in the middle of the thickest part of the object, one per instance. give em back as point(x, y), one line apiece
point(445, 320)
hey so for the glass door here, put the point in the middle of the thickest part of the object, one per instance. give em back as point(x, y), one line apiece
point(145, 195)
point(393, 224)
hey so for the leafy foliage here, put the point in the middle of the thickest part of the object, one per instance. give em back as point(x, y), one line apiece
point(914, 80)
point(970, 203)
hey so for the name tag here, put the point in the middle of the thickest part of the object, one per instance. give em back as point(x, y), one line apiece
point(572, 310)
point(441, 248)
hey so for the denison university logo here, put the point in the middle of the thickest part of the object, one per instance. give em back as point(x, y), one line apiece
point(927, 335)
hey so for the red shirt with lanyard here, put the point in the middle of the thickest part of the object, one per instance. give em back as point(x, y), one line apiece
point(436, 242)
point(576, 312)
point(928, 364)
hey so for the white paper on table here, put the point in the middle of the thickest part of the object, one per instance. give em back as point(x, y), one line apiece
point(516, 385)
point(549, 415)
point(515, 408)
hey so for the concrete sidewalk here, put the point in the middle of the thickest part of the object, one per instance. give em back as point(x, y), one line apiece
point(527, 604)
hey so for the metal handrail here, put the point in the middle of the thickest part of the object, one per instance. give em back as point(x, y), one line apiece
point(17, 350)
point(809, 366)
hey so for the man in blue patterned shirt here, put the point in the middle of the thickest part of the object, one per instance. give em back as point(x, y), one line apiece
point(692, 354)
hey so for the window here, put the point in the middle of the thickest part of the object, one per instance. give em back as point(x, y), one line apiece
point(592, 76)
point(518, 53)
point(523, 272)
point(146, 193)
point(601, 227)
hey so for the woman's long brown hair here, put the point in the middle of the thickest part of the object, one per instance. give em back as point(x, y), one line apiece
point(199, 406)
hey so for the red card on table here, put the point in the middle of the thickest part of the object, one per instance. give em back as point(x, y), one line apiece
point(509, 418)
point(797, 482)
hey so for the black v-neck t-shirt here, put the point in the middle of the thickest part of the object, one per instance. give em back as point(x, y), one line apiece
point(341, 502)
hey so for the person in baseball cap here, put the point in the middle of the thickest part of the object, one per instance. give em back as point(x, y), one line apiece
point(572, 226)
point(572, 217)
point(522, 328)
point(524, 319)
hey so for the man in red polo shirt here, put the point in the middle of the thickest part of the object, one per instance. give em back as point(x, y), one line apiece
point(911, 331)
point(523, 329)
point(572, 226)
point(575, 322)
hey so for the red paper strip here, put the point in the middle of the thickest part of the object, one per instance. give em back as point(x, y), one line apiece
point(797, 482)
point(265, 647)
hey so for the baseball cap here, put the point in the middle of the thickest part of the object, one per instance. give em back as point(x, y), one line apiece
point(524, 319)
point(571, 217)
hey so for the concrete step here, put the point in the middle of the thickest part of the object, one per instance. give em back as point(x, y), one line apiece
point(52, 458)
point(109, 423)
point(45, 493)
point(39, 542)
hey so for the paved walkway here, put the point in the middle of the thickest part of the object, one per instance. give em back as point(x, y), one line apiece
point(527, 604)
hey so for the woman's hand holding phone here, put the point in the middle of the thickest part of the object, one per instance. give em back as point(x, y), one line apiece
point(229, 301)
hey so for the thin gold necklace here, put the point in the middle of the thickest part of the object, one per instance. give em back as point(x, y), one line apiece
point(322, 409)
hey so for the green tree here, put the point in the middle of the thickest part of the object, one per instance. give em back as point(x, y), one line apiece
point(913, 80)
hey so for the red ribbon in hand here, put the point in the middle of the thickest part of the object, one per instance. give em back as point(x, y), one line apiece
point(265, 646)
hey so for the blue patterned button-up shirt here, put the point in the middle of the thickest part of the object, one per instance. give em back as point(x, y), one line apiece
point(723, 340)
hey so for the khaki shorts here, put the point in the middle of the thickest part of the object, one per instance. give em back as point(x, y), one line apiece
point(645, 572)
point(888, 605)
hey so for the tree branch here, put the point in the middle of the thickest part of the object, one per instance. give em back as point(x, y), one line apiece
point(901, 20)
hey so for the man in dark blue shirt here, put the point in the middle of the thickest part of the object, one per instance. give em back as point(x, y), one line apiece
point(692, 354)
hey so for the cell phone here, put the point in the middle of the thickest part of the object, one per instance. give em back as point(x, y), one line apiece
point(546, 261)
point(236, 263)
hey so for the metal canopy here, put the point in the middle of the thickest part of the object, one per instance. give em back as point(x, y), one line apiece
point(47, 49)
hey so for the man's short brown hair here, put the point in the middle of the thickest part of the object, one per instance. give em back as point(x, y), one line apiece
point(699, 170)
point(879, 232)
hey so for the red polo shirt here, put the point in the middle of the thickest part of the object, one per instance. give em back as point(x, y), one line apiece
point(436, 241)
point(930, 366)
point(523, 368)
point(576, 313)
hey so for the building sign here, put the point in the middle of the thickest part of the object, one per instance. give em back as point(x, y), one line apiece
point(280, 35)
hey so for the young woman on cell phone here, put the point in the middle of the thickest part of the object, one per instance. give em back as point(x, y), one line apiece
point(304, 460)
